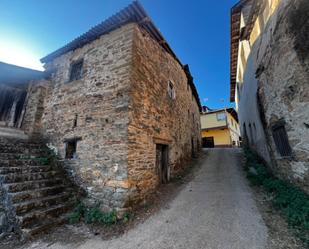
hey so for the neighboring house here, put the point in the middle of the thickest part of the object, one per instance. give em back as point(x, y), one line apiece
point(13, 92)
point(270, 82)
point(119, 107)
point(220, 128)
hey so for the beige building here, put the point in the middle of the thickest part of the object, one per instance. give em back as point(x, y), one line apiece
point(220, 128)
point(269, 82)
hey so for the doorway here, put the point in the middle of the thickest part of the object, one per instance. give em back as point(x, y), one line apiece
point(162, 163)
point(208, 142)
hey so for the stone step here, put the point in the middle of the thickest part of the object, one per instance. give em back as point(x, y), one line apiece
point(12, 133)
point(34, 217)
point(44, 225)
point(22, 162)
point(37, 193)
point(40, 203)
point(24, 170)
point(30, 185)
point(24, 149)
point(16, 156)
point(14, 178)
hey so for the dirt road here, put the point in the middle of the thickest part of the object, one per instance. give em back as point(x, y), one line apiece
point(215, 210)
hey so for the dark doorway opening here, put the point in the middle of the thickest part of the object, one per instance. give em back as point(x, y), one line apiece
point(162, 162)
point(208, 142)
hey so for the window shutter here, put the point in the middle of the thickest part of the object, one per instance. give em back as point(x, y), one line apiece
point(281, 140)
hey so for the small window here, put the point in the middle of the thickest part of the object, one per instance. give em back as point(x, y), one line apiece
point(75, 121)
point(171, 90)
point(71, 147)
point(221, 116)
point(281, 139)
point(76, 70)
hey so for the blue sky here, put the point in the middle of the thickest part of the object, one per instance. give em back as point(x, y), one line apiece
point(197, 31)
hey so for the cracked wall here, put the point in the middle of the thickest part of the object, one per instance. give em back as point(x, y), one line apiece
point(282, 83)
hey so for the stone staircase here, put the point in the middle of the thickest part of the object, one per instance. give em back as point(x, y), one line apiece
point(36, 192)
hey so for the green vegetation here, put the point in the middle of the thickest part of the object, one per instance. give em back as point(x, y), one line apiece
point(291, 201)
point(89, 215)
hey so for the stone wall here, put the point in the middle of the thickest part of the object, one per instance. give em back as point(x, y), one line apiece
point(34, 107)
point(155, 118)
point(278, 63)
point(116, 112)
point(93, 110)
point(284, 87)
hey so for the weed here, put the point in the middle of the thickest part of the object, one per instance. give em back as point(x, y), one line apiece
point(78, 212)
point(291, 201)
point(92, 215)
point(127, 217)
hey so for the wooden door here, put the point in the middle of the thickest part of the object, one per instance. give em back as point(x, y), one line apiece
point(162, 162)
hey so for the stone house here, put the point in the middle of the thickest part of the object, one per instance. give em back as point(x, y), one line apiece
point(119, 107)
point(269, 82)
point(220, 128)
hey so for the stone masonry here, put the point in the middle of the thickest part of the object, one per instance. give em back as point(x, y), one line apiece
point(156, 118)
point(284, 86)
point(274, 86)
point(99, 102)
point(117, 113)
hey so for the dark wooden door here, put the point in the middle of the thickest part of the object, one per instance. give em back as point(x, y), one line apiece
point(162, 162)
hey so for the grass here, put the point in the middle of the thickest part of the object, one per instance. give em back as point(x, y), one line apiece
point(94, 215)
point(291, 201)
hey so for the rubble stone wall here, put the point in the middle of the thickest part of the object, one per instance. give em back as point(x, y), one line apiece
point(98, 105)
point(117, 112)
point(156, 118)
point(34, 107)
point(281, 54)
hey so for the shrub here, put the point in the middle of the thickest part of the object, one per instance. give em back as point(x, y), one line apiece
point(95, 215)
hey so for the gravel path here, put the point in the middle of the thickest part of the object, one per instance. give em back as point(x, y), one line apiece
point(215, 210)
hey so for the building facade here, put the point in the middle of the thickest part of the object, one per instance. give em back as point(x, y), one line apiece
point(269, 82)
point(118, 107)
point(220, 128)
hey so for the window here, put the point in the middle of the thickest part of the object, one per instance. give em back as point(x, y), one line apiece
point(281, 139)
point(221, 116)
point(76, 70)
point(70, 148)
point(171, 90)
